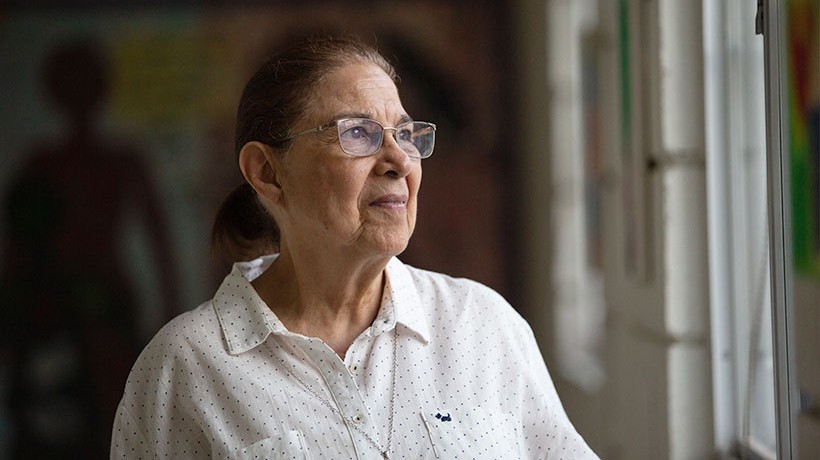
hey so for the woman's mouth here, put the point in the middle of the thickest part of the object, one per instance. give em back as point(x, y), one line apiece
point(391, 201)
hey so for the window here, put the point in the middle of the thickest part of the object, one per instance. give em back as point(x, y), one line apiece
point(743, 365)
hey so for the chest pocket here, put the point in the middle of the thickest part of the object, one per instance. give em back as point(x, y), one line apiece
point(473, 433)
point(290, 446)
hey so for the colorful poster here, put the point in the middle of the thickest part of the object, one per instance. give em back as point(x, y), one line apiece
point(803, 42)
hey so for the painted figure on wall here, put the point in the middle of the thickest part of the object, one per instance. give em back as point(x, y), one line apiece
point(69, 309)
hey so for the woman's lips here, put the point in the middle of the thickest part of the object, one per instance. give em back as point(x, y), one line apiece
point(391, 201)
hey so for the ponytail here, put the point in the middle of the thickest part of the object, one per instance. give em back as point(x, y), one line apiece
point(243, 229)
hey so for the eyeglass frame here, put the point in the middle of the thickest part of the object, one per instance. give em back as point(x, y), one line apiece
point(335, 123)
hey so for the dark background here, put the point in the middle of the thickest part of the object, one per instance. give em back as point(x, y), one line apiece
point(116, 124)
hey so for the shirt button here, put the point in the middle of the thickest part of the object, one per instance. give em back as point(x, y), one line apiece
point(354, 368)
point(358, 418)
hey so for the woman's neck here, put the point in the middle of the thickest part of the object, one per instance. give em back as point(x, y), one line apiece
point(316, 298)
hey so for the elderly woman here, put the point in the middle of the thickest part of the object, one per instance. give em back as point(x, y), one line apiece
point(331, 347)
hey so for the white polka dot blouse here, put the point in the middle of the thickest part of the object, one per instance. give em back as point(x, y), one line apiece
point(447, 370)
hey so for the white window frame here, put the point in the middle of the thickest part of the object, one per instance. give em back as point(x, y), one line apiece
point(750, 261)
point(744, 349)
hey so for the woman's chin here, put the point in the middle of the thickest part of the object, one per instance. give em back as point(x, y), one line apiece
point(389, 245)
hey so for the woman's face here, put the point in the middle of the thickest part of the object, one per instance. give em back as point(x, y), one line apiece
point(336, 201)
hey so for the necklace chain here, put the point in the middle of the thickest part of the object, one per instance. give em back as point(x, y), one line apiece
point(384, 450)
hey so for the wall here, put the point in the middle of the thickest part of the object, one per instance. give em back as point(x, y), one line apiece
point(655, 397)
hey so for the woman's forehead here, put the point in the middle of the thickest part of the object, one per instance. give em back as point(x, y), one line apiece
point(357, 88)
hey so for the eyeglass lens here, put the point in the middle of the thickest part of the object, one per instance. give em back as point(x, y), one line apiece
point(362, 137)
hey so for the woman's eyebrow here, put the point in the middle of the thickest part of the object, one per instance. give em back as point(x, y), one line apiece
point(402, 119)
point(352, 115)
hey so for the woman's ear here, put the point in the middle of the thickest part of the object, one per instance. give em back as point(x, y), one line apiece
point(259, 166)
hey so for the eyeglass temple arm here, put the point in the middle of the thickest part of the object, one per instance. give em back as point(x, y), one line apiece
point(311, 130)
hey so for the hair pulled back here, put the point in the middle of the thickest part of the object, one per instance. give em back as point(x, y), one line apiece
point(272, 103)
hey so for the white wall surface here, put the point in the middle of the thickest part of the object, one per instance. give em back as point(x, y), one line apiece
point(654, 400)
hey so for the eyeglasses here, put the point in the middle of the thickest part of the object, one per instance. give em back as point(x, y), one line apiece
point(362, 137)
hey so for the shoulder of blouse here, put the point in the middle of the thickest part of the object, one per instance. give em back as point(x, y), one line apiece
point(464, 296)
point(189, 333)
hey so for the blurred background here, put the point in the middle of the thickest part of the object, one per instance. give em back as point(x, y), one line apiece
point(601, 163)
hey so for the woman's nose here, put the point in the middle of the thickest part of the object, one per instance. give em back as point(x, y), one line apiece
point(392, 158)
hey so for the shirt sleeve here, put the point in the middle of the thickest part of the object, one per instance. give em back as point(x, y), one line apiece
point(151, 420)
point(127, 438)
point(547, 431)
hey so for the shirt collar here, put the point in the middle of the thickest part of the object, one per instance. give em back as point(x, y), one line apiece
point(247, 321)
point(404, 296)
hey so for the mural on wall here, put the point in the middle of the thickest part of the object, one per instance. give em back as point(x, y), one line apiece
point(70, 310)
point(803, 45)
point(118, 129)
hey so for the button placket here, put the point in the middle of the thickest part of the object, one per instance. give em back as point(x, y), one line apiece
point(353, 363)
point(341, 395)
point(344, 389)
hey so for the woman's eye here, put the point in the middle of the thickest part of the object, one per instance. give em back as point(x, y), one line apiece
point(405, 135)
point(357, 132)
